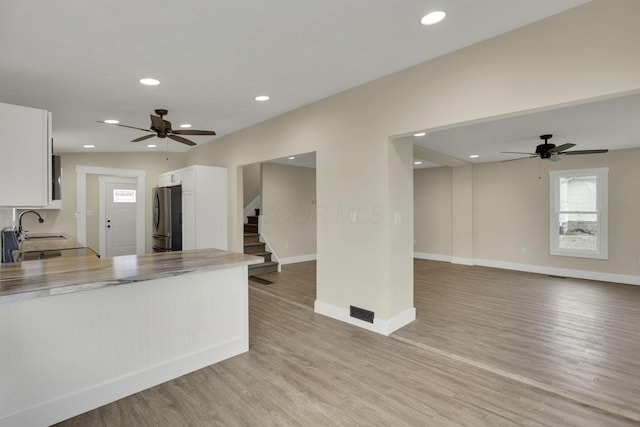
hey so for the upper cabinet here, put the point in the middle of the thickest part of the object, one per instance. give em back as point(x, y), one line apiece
point(184, 177)
point(169, 179)
point(25, 144)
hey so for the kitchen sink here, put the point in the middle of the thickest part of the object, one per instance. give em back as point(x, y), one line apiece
point(45, 236)
point(37, 255)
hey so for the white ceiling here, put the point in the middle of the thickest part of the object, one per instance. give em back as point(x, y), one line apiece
point(606, 124)
point(82, 60)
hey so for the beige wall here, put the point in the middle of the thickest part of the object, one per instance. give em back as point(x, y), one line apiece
point(432, 217)
point(511, 212)
point(251, 183)
point(582, 54)
point(288, 209)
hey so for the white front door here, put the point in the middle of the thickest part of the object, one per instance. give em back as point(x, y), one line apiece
point(119, 219)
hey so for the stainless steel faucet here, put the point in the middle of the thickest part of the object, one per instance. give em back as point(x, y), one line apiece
point(40, 220)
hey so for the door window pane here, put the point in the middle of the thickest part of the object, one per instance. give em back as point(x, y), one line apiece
point(124, 196)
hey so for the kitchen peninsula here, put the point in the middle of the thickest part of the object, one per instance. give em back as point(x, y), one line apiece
point(79, 332)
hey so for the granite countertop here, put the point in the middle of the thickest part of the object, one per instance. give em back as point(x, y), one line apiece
point(54, 276)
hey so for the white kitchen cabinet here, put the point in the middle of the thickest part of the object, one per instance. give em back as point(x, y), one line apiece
point(204, 205)
point(25, 144)
point(184, 177)
point(188, 177)
point(169, 179)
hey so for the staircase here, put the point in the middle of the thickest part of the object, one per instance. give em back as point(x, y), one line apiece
point(253, 246)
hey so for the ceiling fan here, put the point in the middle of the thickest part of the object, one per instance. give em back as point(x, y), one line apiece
point(162, 129)
point(553, 153)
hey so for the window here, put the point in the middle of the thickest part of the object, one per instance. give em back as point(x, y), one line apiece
point(124, 196)
point(578, 225)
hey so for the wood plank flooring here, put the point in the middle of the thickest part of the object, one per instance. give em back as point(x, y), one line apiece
point(296, 283)
point(304, 369)
point(578, 338)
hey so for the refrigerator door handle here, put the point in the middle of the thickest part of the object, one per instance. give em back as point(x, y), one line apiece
point(156, 210)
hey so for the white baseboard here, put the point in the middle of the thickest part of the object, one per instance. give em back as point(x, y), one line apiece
point(432, 257)
point(564, 272)
point(462, 261)
point(299, 258)
point(540, 269)
point(85, 400)
point(383, 327)
point(268, 248)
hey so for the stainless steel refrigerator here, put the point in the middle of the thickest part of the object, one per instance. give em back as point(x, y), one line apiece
point(167, 219)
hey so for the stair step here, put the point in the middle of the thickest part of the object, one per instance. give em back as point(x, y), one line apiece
point(264, 268)
point(252, 219)
point(251, 228)
point(251, 237)
point(265, 255)
point(254, 247)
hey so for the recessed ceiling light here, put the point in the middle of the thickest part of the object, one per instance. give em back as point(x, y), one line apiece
point(185, 125)
point(112, 121)
point(417, 162)
point(150, 82)
point(291, 158)
point(474, 156)
point(420, 134)
point(262, 98)
point(89, 146)
point(151, 145)
point(433, 18)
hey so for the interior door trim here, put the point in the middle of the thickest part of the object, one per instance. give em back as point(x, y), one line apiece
point(81, 201)
point(102, 181)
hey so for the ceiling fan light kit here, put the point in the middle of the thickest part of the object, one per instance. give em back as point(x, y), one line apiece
point(549, 151)
point(161, 128)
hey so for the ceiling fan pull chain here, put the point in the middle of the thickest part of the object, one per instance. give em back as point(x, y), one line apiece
point(539, 168)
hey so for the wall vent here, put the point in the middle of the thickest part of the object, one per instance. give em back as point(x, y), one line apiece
point(361, 313)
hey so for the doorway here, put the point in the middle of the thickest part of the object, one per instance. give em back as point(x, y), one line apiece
point(82, 173)
point(284, 192)
point(118, 200)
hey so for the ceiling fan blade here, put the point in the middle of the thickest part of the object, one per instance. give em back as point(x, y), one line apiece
point(517, 152)
point(181, 139)
point(193, 132)
point(585, 152)
point(142, 138)
point(520, 158)
point(124, 126)
point(157, 123)
point(560, 148)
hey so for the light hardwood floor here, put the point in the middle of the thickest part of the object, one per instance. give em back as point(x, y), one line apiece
point(577, 338)
point(305, 369)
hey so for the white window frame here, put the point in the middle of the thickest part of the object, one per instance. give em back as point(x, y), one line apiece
point(602, 202)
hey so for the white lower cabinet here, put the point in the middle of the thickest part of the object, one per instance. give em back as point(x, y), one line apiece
point(204, 205)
